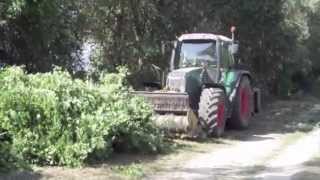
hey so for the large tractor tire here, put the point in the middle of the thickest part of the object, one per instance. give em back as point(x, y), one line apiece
point(212, 111)
point(243, 105)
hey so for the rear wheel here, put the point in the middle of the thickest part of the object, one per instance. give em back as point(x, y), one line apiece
point(212, 111)
point(242, 106)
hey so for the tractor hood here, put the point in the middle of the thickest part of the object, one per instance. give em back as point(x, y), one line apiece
point(184, 80)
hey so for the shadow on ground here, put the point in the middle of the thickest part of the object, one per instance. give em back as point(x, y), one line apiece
point(281, 117)
point(22, 175)
point(249, 173)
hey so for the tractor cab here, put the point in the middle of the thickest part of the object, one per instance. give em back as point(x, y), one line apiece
point(197, 50)
point(200, 59)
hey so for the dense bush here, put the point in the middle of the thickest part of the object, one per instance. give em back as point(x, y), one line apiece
point(52, 119)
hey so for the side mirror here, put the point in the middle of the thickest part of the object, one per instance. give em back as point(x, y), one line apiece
point(234, 48)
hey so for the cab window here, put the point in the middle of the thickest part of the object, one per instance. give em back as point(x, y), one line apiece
point(226, 57)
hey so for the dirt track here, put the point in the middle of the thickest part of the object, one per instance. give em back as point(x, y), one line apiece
point(280, 144)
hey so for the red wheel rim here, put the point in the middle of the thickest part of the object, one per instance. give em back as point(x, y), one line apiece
point(244, 103)
point(220, 118)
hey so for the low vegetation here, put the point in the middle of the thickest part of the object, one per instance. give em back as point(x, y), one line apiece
point(53, 119)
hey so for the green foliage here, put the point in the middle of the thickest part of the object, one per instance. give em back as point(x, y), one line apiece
point(269, 31)
point(8, 159)
point(313, 42)
point(52, 119)
point(42, 33)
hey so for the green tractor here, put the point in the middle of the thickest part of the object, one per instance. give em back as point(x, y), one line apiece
point(206, 88)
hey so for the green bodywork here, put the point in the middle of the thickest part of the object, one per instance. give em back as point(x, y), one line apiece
point(229, 81)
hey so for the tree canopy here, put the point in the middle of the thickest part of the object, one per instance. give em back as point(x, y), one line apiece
point(276, 36)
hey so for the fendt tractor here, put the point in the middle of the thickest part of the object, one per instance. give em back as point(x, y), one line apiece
point(206, 89)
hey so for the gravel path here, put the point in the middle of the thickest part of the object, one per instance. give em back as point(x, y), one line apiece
point(280, 155)
point(292, 160)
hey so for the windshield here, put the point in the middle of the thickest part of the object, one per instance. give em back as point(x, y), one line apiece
point(194, 53)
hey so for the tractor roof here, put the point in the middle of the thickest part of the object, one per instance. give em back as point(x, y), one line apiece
point(197, 36)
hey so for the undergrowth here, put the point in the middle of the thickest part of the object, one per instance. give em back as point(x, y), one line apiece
point(53, 119)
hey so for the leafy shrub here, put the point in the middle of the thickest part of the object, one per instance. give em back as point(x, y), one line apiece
point(52, 119)
point(8, 160)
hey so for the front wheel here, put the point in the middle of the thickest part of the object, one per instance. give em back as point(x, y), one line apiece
point(212, 111)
